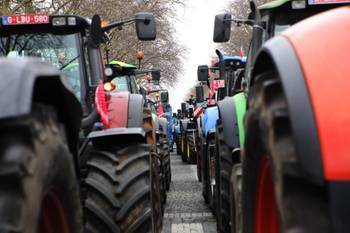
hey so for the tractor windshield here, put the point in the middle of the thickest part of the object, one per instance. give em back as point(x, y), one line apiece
point(122, 83)
point(62, 51)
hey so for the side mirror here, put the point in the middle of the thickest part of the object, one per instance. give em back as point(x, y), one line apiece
point(96, 32)
point(222, 27)
point(190, 112)
point(156, 75)
point(179, 113)
point(145, 26)
point(164, 96)
point(199, 94)
point(183, 109)
point(202, 73)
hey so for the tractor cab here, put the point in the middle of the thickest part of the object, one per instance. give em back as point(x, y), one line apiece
point(68, 42)
point(230, 80)
point(270, 20)
point(57, 40)
point(123, 77)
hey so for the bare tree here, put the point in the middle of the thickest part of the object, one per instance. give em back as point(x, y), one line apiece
point(240, 35)
point(164, 53)
point(36, 6)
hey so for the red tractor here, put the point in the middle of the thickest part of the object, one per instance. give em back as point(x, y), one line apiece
point(295, 160)
point(59, 131)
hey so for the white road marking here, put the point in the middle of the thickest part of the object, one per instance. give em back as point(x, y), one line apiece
point(188, 215)
point(187, 228)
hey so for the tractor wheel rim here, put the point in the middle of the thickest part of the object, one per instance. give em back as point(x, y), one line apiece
point(266, 217)
point(188, 152)
point(182, 145)
point(53, 217)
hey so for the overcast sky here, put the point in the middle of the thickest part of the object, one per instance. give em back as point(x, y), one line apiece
point(194, 29)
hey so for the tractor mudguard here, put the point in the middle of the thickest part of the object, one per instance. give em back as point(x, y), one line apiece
point(232, 111)
point(28, 80)
point(319, 111)
point(279, 53)
point(115, 135)
point(227, 115)
point(163, 126)
point(240, 103)
point(210, 117)
point(330, 103)
point(135, 115)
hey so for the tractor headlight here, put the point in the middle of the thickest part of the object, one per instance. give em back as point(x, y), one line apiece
point(59, 21)
point(298, 4)
point(72, 21)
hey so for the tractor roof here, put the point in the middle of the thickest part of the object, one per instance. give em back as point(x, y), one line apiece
point(272, 5)
point(243, 59)
point(122, 64)
point(229, 59)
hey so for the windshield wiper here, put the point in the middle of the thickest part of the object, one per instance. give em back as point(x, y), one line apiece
point(70, 62)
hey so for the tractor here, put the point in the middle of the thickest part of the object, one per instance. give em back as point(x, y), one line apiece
point(198, 116)
point(156, 98)
point(189, 126)
point(69, 144)
point(285, 176)
point(206, 167)
point(228, 82)
point(182, 131)
point(123, 77)
point(177, 132)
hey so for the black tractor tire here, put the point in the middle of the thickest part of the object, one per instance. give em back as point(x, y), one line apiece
point(39, 188)
point(224, 163)
point(162, 172)
point(191, 148)
point(184, 148)
point(199, 169)
point(178, 144)
point(167, 164)
point(119, 189)
point(211, 157)
point(204, 174)
point(235, 199)
point(272, 199)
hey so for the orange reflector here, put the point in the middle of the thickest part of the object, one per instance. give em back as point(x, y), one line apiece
point(109, 86)
point(140, 55)
point(104, 23)
point(213, 62)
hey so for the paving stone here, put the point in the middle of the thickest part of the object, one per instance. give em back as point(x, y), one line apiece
point(185, 211)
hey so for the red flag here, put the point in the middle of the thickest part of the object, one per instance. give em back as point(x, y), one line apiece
point(160, 111)
point(241, 52)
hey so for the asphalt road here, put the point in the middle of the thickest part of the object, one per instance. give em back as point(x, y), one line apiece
point(185, 211)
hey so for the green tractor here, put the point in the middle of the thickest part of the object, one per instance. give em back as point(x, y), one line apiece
point(64, 133)
point(265, 129)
